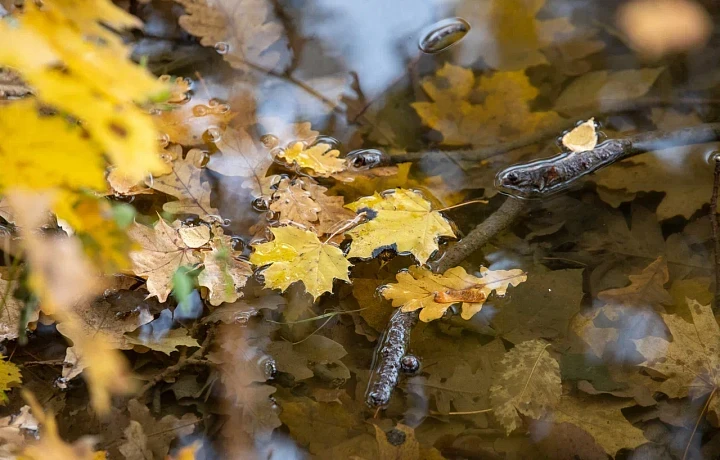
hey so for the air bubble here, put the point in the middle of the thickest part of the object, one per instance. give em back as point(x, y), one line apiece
point(442, 35)
point(199, 110)
point(222, 48)
point(364, 159)
point(270, 141)
point(204, 159)
point(237, 243)
point(163, 140)
point(261, 204)
point(155, 112)
point(329, 140)
point(213, 135)
point(713, 157)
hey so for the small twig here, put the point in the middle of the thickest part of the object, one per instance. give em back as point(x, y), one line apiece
point(510, 210)
point(716, 230)
point(195, 358)
point(464, 203)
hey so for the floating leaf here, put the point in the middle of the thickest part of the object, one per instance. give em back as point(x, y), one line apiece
point(224, 273)
point(581, 138)
point(9, 376)
point(402, 220)
point(420, 289)
point(298, 255)
point(320, 158)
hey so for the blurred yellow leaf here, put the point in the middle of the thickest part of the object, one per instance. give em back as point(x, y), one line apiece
point(298, 255)
point(432, 294)
point(503, 114)
point(402, 220)
point(321, 159)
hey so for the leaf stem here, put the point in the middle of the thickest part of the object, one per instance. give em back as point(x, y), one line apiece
point(697, 423)
point(462, 204)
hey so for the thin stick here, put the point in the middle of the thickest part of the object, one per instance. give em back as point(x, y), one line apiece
point(472, 412)
point(716, 230)
point(510, 210)
point(459, 205)
point(697, 423)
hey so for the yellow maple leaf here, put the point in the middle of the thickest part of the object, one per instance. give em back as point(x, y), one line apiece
point(321, 158)
point(298, 255)
point(432, 294)
point(504, 113)
point(74, 64)
point(163, 250)
point(40, 152)
point(9, 376)
point(402, 220)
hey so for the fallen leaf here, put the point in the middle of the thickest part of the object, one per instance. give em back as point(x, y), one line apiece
point(432, 294)
point(15, 432)
point(402, 220)
point(504, 113)
point(321, 159)
point(354, 185)
point(407, 449)
point(299, 359)
point(298, 255)
point(240, 156)
point(647, 288)
point(602, 88)
point(150, 436)
point(280, 133)
point(185, 183)
point(224, 273)
point(12, 310)
point(163, 251)
point(188, 121)
point(244, 308)
point(305, 204)
point(9, 377)
point(527, 383)
point(246, 32)
point(166, 343)
point(690, 361)
point(601, 418)
point(581, 138)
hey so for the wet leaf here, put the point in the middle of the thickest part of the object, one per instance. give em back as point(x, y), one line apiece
point(402, 220)
point(163, 251)
point(9, 377)
point(420, 289)
point(185, 182)
point(504, 113)
point(299, 359)
point(298, 255)
point(224, 274)
point(527, 383)
point(240, 30)
point(320, 159)
point(12, 309)
point(165, 343)
point(186, 122)
point(152, 437)
point(602, 419)
point(581, 138)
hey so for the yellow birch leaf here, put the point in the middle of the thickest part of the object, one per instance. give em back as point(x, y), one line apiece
point(185, 183)
point(41, 152)
point(603, 419)
point(504, 114)
point(298, 255)
point(321, 159)
point(240, 30)
point(432, 294)
point(528, 383)
point(224, 273)
point(163, 251)
point(402, 220)
point(9, 376)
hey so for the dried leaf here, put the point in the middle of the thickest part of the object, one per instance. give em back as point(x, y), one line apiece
point(12, 310)
point(185, 183)
point(645, 289)
point(187, 122)
point(602, 419)
point(224, 273)
point(150, 436)
point(504, 113)
point(299, 359)
point(165, 343)
point(298, 255)
point(163, 251)
point(321, 159)
point(402, 220)
point(408, 449)
point(241, 30)
point(581, 138)
point(433, 294)
point(240, 156)
point(528, 383)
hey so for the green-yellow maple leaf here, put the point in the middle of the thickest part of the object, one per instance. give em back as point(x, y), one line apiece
point(402, 220)
point(298, 255)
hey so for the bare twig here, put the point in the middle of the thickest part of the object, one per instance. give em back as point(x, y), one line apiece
point(195, 358)
point(716, 229)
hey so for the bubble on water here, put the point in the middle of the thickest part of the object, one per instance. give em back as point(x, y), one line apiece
point(226, 222)
point(150, 180)
point(203, 160)
point(199, 110)
point(237, 243)
point(329, 140)
point(222, 47)
point(155, 112)
point(442, 35)
point(163, 140)
point(270, 141)
point(212, 134)
point(364, 159)
point(713, 157)
point(261, 204)
point(272, 216)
